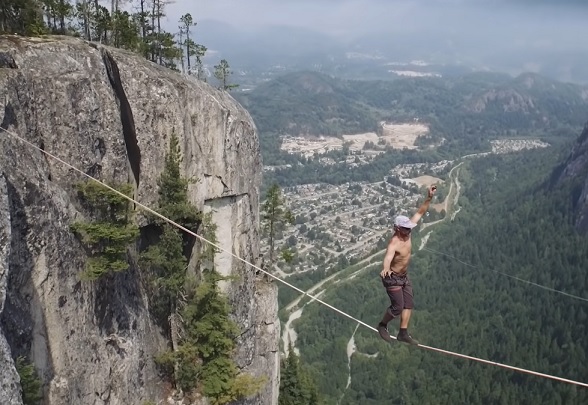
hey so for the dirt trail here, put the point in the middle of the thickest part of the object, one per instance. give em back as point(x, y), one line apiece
point(445, 204)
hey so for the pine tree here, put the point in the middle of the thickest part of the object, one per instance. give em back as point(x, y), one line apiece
point(191, 48)
point(274, 215)
point(108, 237)
point(173, 189)
point(162, 45)
point(187, 23)
point(289, 379)
point(30, 382)
point(222, 72)
point(168, 259)
point(125, 31)
point(199, 52)
point(143, 21)
point(56, 12)
point(83, 12)
point(22, 17)
point(296, 385)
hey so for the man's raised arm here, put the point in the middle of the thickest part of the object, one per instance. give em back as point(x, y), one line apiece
point(424, 206)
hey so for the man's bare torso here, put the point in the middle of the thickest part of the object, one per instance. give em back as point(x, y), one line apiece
point(401, 258)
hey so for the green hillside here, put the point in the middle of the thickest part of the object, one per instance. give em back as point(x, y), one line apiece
point(469, 109)
point(509, 224)
point(308, 103)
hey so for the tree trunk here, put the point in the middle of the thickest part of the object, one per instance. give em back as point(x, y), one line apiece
point(143, 16)
point(86, 19)
point(159, 32)
point(153, 42)
point(144, 30)
point(188, 47)
point(271, 240)
point(174, 331)
point(174, 325)
point(62, 15)
point(114, 29)
point(96, 6)
point(181, 34)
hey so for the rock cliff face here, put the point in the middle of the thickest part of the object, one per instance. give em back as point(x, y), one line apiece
point(110, 113)
point(9, 381)
point(576, 166)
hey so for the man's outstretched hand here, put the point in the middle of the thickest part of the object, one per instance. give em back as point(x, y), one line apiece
point(432, 190)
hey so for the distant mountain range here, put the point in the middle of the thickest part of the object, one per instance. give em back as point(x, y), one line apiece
point(473, 105)
point(370, 56)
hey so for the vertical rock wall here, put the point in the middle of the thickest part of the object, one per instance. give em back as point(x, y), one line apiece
point(110, 113)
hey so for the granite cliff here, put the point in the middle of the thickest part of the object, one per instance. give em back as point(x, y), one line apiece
point(111, 113)
point(575, 168)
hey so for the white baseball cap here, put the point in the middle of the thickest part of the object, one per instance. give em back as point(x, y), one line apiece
point(404, 222)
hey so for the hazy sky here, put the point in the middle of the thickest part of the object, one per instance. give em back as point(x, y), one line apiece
point(357, 17)
point(534, 34)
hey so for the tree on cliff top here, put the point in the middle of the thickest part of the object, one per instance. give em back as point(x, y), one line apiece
point(274, 215)
point(139, 31)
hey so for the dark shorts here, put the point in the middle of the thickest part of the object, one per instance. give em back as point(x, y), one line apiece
point(399, 289)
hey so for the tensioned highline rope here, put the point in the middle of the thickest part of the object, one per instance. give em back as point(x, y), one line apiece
point(510, 276)
point(314, 298)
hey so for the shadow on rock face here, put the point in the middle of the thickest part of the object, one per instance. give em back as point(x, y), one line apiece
point(7, 61)
point(9, 117)
point(18, 319)
point(126, 115)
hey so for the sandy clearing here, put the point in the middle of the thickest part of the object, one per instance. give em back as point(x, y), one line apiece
point(439, 206)
point(425, 180)
point(361, 139)
point(403, 135)
point(398, 136)
point(428, 181)
point(309, 146)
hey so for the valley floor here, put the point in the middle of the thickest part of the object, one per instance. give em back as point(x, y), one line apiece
point(347, 223)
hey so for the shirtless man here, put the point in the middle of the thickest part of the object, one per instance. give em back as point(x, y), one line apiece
point(394, 275)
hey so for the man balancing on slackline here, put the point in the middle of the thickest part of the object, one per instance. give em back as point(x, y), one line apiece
point(394, 275)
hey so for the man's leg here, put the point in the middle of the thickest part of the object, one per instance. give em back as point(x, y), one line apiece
point(405, 318)
point(387, 317)
point(383, 326)
point(403, 335)
point(396, 304)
